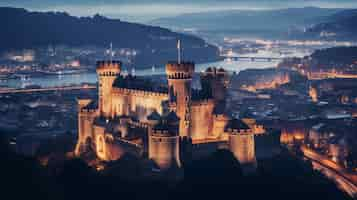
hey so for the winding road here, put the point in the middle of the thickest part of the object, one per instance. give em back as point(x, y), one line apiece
point(345, 180)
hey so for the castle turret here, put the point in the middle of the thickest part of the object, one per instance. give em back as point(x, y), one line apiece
point(215, 81)
point(179, 76)
point(164, 142)
point(241, 144)
point(107, 72)
point(87, 110)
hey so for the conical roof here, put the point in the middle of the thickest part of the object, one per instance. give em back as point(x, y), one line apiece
point(154, 116)
point(172, 117)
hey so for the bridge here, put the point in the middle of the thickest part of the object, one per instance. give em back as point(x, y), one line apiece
point(252, 58)
point(49, 89)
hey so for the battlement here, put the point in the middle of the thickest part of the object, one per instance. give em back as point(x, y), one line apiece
point(89, 111)
point(240, 131)
point(162, 133)
point(221, 116)
point(139, 93)
point(88, 106)
point(202, 102)
point(236, 126)
point(182, 70)
point(163, 129)
point(214, 71)
point(139, 124)
point(83, 102)
point(108, 68)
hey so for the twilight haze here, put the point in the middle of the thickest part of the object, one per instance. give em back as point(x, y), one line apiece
point(177, 99)
point(146, 10)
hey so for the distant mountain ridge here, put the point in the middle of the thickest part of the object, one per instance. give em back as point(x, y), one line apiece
point(23, 29)
point(342, 25)
point(253, 20)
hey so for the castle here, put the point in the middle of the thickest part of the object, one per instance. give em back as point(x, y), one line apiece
point(160, 122)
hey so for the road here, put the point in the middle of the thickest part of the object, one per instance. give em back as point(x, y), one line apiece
point(264, 59)
point(13, 91)
point(345, 180)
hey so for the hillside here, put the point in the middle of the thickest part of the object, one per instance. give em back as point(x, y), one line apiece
point(253, 21)
point(338, 55)
point(342, 25)
point(23, 29)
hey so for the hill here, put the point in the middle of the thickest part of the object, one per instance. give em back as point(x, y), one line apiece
point(249, 21)
point(23, 29)
point(342, 25)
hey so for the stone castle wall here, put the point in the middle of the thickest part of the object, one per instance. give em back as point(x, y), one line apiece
point(136, 103)
point(164, 151)
point(85, 122)
point(243, 147)
point(201, 119)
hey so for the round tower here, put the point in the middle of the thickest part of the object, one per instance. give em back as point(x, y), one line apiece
point(107, 72)
point(164, 142)
point(179, 76)
point(241, 143)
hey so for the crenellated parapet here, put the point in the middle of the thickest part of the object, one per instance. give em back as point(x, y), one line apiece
point(202, 102)
point(140, 93)
point(240, 131)
point(108, 68)
point(89, 111)
point(213, 71)
point(183, 70)
point(221, 117)
point(87, 106)
point(139, 124)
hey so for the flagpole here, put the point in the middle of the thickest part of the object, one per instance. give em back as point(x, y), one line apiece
point(111, 52)
point(179, 52)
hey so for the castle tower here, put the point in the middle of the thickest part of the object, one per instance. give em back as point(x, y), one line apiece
point(241, 144)
point(164, 142)
point(216, 81)
point(86, 114)
point(179, 76)
point(107, 72)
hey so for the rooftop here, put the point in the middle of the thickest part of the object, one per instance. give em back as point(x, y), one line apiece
point(138, 83)
point(237, 124)
point(92, 105)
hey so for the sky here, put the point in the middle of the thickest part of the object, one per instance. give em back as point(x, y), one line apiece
point(146, 10)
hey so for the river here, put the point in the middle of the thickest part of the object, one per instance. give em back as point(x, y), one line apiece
point(91, 77)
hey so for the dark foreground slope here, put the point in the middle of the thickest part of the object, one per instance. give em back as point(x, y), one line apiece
point(216, 177)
